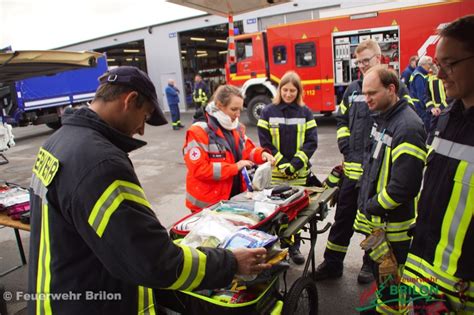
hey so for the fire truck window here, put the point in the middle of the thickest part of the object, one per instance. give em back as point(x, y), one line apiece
point(305, 54)
point(244, 49)
point(279, 55)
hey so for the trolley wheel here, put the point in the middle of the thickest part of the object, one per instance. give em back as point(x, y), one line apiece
point(302, 299)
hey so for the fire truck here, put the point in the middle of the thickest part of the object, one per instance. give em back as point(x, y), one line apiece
point(322, 51)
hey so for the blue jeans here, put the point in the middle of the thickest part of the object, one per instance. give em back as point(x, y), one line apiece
point(175, 116)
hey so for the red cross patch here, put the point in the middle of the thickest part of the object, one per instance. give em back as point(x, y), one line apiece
point(194, 154)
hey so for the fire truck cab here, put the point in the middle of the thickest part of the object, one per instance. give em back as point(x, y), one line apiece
point(322, 51)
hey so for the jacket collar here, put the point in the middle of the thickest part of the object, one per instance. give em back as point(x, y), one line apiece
point(85, 117)
point(387, 115)
point(421, 70)
point(457, 108)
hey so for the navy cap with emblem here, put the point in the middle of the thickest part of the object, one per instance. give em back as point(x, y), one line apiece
point(139, 81)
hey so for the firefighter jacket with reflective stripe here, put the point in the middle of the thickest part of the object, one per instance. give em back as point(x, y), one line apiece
point(289, 131)
point(436, 96)
point(418, 89)
point(393, 166)
point(200, 93)
point(353, 126)
point(442, 250)
point(94, 235)
point(211, 163)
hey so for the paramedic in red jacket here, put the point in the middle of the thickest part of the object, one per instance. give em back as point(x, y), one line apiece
point(216, 150)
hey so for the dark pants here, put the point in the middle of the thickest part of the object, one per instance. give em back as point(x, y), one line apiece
point(342, 231)
point(175, 115)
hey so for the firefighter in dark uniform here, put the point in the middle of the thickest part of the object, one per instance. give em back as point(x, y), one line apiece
point(393, 166)
point(94, 235)
point(200, 93)
point(288, 129)
point(436, 98)
point(353, 130)
point(441, 257)
point(418, 89)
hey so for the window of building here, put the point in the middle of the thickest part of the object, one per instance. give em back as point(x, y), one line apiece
point(279, 55)
point(244, 49)
point(305, 54)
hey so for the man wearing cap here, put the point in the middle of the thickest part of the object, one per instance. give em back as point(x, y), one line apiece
point(96, 246)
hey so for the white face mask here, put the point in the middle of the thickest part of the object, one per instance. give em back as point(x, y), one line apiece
point(225, 121)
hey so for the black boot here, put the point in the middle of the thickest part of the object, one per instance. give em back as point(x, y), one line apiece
point(366, 274)
point(295, 253)
point(327, 270)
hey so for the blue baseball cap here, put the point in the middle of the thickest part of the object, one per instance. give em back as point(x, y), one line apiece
point(139, 81)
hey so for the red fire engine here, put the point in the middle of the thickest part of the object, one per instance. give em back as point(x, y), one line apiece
point(322, 51)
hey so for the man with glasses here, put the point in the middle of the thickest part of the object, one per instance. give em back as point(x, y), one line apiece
point(353, 130)
point(441, 254)
point(418, 89)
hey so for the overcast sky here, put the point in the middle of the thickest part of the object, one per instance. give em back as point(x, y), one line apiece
point(47, 24)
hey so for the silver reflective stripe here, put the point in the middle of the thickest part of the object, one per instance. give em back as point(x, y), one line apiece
point(201, 124)
point(216, 171)
point(453, 150)
point(458, 214)
point(438, 276)
point(213, 148)
point(193, 272)
point(198, 203)
point(286, 121)
point(111, 199)
point(195, 144)
point(381, 137)
point(358, 98)
point(38, 187)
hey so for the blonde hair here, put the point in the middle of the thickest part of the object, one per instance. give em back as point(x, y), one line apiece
point(293, 78)
point(369, 44)
point(224, 93)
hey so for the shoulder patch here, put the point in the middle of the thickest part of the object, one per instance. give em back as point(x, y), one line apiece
point(46, 166)
point(194, 154)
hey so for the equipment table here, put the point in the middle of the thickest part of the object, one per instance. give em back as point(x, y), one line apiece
point(16, 225)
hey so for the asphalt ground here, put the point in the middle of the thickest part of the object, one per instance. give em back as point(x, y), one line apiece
point(161, 170)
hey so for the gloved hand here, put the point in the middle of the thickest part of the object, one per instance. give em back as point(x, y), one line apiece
point(290, 172)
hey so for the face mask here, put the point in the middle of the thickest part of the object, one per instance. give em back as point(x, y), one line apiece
point(225, 121)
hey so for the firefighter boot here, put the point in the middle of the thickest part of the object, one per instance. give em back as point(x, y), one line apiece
point(295, 253)
point(328, 270)
point(366, 274)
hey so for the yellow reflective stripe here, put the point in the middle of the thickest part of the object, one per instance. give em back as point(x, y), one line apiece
point(398, 236)
point(278, 158)
point(384, 170)
point(194, 267)
point(343, 107)
point(310, 124)
point(303, 157)
point(361, 223)
point(343, 132)
point(399, 226)
point(335, 247)
point(111, 199)
point(456, 220)
point(353, 170)
point(263, 124)
point(43, 279)
point(408, 148)
point(386, 201)
point(415, 99)
point(146, 301)
point(275, 133)
point(379, 251)
point(301, 129)
point(408, 99)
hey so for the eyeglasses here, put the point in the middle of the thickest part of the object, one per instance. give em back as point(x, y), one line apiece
point(448, 67)
point(364, 61)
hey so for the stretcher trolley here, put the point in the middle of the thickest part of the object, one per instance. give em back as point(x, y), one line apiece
point(268, 293)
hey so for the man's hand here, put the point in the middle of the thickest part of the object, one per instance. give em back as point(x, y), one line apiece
point(435, 111)
point(268, 157)
point(244, 163)
point(250, 261)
